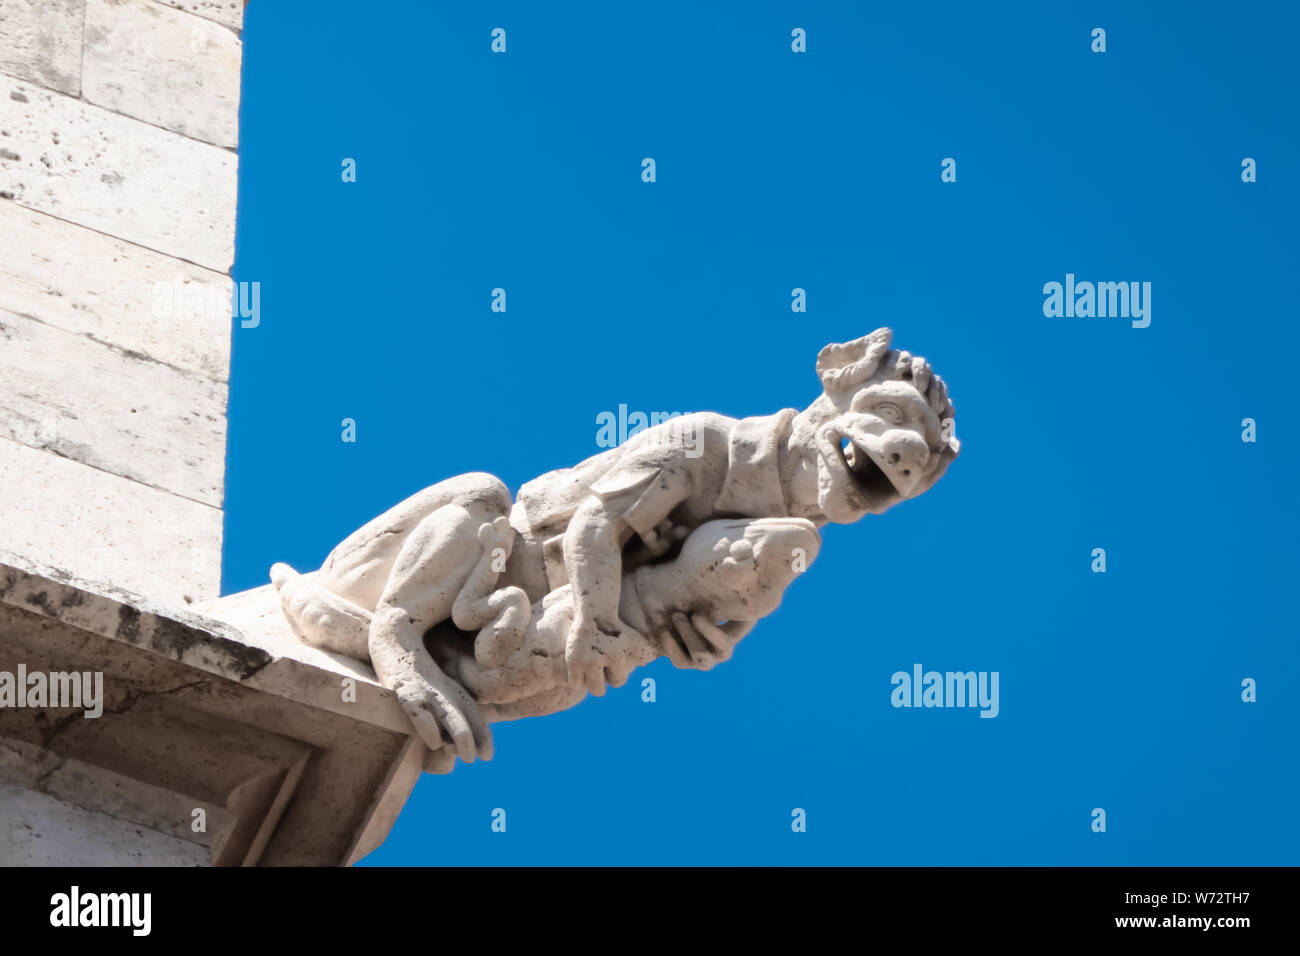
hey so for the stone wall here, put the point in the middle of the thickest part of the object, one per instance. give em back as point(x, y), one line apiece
point(220, 738)
point(118, 130)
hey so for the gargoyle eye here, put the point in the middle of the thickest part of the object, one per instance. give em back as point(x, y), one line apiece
point(889, 412)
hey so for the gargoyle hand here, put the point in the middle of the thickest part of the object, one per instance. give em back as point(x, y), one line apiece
point(698, 643)
point(593, 657)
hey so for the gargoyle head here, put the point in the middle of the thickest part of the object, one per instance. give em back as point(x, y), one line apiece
point(882, 427)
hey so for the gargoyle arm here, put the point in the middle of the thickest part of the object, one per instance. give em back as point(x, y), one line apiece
point(593, 546)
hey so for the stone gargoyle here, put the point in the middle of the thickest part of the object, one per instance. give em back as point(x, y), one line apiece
point(474, 608)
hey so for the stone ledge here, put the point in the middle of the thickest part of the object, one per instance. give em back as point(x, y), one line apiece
point(197, 714)
point(242, 638)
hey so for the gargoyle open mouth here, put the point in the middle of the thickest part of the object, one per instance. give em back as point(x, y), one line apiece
point(869, 478)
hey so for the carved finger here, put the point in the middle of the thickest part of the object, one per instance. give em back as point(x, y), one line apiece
point(701, 655)
point(439, 761)
point(594, 677)
point(426, 724)
point(654, 544)
point(467, 708)
point(456, 724)
point(483, 738)
point(721, 639)
point(669, 644)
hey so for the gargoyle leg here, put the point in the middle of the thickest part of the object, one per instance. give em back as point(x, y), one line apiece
point(429, 572)
point(500, 616)
point(359, 567)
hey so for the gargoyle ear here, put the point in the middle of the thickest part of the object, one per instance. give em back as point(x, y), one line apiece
point(848, 365)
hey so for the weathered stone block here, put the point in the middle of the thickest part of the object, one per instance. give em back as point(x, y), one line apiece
point(117, 175)
point(111, 409)
point(114, 292)
point(106, 528)
point(42, 42)
point(163, 66)
point(227, 12)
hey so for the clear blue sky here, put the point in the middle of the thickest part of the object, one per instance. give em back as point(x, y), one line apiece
point(819, 170)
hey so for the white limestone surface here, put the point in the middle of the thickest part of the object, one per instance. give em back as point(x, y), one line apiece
point(42, 42)
point(117, 175)
point(165, 67)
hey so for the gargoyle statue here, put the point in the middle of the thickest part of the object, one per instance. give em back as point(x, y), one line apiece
point(474, 608)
